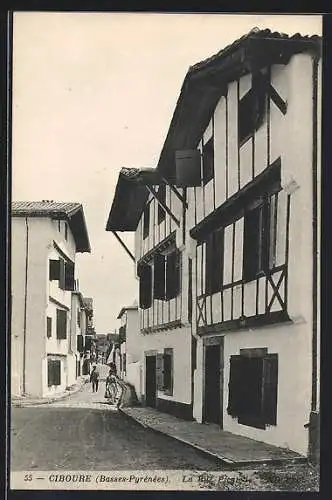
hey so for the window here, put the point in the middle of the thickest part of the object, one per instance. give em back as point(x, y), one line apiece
point(253, 387)
point(146, 221)
point(260, 233)
point(53, 372)
point(49, 327)
point(59, 225)
point(208, 161)
point(80, 343)
point(173, 274)
point(61, 324)
point(252, 109)
point(159, 270)
point(69, 276)
point(64, 272)
point(78, 317)
point(164, 371)
point(162, 196)
point(214, 260)
point(66, 231)
point(145, 286)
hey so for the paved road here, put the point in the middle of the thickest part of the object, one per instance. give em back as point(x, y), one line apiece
point(83, 433)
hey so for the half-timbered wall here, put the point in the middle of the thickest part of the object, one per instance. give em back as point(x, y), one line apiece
point(171, 313)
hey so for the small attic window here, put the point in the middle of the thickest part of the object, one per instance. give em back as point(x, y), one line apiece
point(252, 109)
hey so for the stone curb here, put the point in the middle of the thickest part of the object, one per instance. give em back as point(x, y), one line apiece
point(39, 402)
point(219, 459)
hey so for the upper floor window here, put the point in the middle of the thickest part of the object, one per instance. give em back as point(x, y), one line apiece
point(260, 234)
point(64, 272)
point(146, 221)
point(208, 161)
point(61, 324)
point(252, 108)
point(145, 285)
point(66, 231)
point(48, 327)
point(214, 262)
point(162, 196)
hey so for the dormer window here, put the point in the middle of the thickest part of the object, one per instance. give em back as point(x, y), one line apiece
point(252, 109)
point(208, 161)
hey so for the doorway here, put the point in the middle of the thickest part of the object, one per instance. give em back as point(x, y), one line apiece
point(213, 408)
point(150, 381)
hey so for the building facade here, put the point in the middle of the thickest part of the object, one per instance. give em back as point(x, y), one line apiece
point(45, 239)
point(227, 249)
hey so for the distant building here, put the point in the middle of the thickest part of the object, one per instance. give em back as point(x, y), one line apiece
point(131, 347)
point(45, 239)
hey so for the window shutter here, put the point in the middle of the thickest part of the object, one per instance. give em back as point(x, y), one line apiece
point(145, 286)
point(50, 377)
point(57, 374)
point(270, 380)
point(173, 272)
point(49, 327)
point(159, 276)
point(188, 168)
point(62, 282)
point(54, 269)
point(69, 276)
point(146, 220)
point(160, 372)
point(235, 386)
point(168, 371)
point(61, 324)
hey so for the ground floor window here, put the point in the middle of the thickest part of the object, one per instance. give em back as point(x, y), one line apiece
point(53, 372)
point(253, 387)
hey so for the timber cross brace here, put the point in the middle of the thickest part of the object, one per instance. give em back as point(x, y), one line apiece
point(162, 204)
point(124, 245)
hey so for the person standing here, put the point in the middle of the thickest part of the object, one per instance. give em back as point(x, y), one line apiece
point(94, 379)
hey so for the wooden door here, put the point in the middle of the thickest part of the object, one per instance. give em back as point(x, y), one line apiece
point(213, 384)
point(150, 381)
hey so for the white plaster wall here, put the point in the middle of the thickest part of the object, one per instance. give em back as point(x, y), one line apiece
point(180, 340)
point(292, 344)
point(133, 336)
point(133, 376)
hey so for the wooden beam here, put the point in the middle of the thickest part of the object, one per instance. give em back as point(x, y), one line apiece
point(123, 245)
point(163, 205)
point(176, 192)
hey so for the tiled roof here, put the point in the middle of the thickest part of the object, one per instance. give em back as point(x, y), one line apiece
point(44, 208)
point(73, 212)
point(255, 33)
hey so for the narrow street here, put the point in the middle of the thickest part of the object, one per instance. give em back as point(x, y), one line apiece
point(82, 432)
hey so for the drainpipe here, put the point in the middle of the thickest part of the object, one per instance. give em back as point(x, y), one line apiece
point(25, 303)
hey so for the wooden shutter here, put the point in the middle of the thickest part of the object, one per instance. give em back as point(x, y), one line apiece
point(173, 273)
point(54, 269)
point(252, 385)
point(168, 371)
point(61, 324)
point(145, 286)
point(270, 381)
point(235, 386)
point(159, 276)
point(146, 220)
point(160, 372)
point(50, 373)
point(57, 372)
point(62, 280)
point(69, 276)
point(188, 168)
point(49, 327)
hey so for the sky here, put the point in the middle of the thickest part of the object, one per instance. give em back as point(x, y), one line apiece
point(95, 92)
